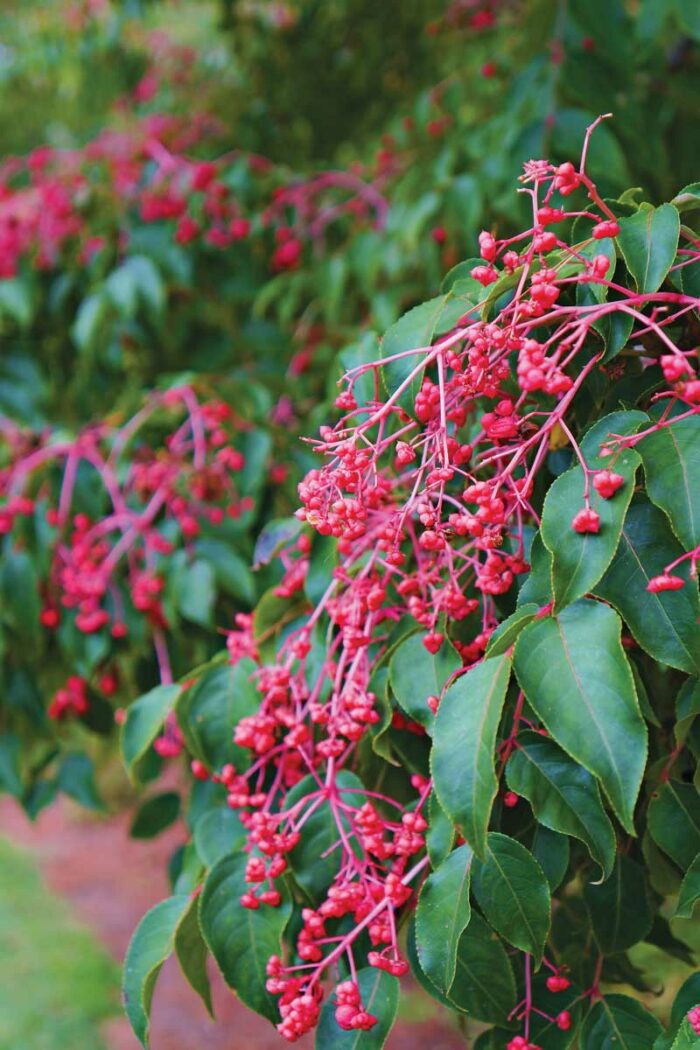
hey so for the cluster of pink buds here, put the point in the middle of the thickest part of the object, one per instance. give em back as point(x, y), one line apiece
point(71, 700)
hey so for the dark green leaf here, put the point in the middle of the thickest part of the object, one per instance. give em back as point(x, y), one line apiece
point(442, 915)
point(690, 890)
point(674, 821)
point(144, 721)
point(580, 559)
point(155, 815)
point(196, 592)
point(551, 851)
point(76, 778)
point(152, 943)
point(671, 458)
point(209, 712)
point(619, 907)
point(274, 536)
point(216, 833)
point(507, 632)
point(483, 986)
point(648, 241)
point(618, 1022)
point(665, 624)
point(242, 939)
point(10, 769)
point(462, 757)
point(440, 834)
point(577, 679)
point(192, 954)
point(415, 674)
point(564, 796)
point(512, 891)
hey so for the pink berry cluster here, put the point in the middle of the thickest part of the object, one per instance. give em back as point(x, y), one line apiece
point(104, 571)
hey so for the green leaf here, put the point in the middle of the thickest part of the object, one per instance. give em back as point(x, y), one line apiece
point(537, 586)
point(89, 321)
point(144, 721)
point(578, 681)
point(507, 632)
point(155, 815)
point(671, 458)
point(564, 796)
point(415, 674)
point(512, 891)
point(196, 593)
point(16, 300)
point(462, 757)
point(76, 778)
point(209, 712)
point(687, 708)
point(10, 768)
point(379, 992)
point(242, 939)
point(689, 891)
point(273, 537)
point(148, 949)
point(191, 952)
point(218, 832)
point(688, 198)
point(314, 860)
point(673, 820)
point(648, 241)
point(19, 589)
point(551, 851)
point(688, 995)
point(665, 624)
point(483, 986)
point(442, 915)
point(618, 1022)
point(416, 330)
point(580, 559)
point(440, 833)
point(686, 1037)
point(619, 907)
point(232, 573)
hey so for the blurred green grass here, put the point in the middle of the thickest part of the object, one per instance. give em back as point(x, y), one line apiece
point(57, 984)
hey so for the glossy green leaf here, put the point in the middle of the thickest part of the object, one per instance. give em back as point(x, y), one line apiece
point(415, 674)
point(192, 954)
point(483, 986)
point(648, 241)
point(440, 833)
point(218, 832)
point(671, 458)
point(512, 891)
point(580, 559)
point(687, 708)
point(196, 592)
point(619, 907)
point(689, 891)
point(379, 992)
point(618, 1022)
point(462, 757)
point(537, 586)
point(667, 624)
point(155, 815)
point(577, 679)
point(152, 943)
point(10, 767)
point(673, 819)
point(564, 796)
point(209, 712)
point(507, 632)
point(144, 721)
point(242, 939)
point(551, 851)
point(314, 860)
point(273, 537)
point(442, 915)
